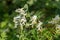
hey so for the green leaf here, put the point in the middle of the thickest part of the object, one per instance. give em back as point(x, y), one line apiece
point(3, 24)
point(3, 35)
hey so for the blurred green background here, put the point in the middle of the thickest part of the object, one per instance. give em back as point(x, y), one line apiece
point(44, 9)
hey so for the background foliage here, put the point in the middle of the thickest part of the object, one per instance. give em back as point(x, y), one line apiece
point(44, 9)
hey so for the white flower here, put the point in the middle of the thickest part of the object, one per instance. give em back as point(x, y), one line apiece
point(55, 20)
point(23, 20)
point(57, 17)
point(33, 19)
point(21, 11)
point(39, 25)
point(20, 19)
point(16, 19)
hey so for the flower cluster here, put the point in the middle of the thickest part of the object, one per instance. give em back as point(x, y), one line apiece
point(56, 21)
point(22, 21)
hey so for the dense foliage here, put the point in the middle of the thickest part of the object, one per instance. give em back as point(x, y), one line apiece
point(29, 19)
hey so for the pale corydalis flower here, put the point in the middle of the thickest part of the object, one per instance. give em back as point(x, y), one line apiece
point(20, 19)
point(23, 21)
point(55, 20)
point(20, 11)
point(33, 19)
point(39, 27)
point(16, 21)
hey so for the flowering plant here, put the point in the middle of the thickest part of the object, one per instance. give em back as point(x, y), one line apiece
point(33, 24)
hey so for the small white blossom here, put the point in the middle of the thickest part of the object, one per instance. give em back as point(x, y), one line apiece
point(21, 11)
point(33, 19)
point(16, 19)
point(39, 25)
point(57, 17)
point(55, 20)
point(23, 21)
